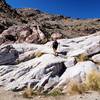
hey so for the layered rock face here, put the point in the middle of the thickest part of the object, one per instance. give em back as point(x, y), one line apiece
point(30, 65)
point(7, 9)
point(8, 55)
point(20, 34)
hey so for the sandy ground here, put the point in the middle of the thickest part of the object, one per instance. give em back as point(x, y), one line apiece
point(8, 95)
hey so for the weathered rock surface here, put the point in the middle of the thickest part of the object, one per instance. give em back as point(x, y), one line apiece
point(38, 68)
point(56, 36)
point(96, 58)
point(8, 55)
point(24, 64)
point(81, 69)
point(22, 34)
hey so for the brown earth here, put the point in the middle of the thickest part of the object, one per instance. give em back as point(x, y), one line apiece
point(8, 95)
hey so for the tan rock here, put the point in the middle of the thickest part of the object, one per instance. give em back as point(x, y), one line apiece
point(56, 35)
point(32, 38)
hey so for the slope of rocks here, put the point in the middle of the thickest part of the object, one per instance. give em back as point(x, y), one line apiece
point(26, 60)
point(31, 65)
point(51, 26)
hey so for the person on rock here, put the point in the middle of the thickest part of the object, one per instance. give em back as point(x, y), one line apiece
point(55, 46)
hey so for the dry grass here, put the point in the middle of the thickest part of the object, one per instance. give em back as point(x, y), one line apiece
point(92, 83)
point(55, 92)
point(29, 93)
point(38, 53)
point(82, 57)
point(75, 88)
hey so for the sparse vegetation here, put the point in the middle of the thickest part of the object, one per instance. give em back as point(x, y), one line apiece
point(76, 88)
point(29, 93)
point(55, 92)
point(38, 53)
point(81, 57)
point(92, 83)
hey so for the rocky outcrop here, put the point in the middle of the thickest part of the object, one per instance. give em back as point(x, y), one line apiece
point(24, 64)
point(22, 34)
point(56, 36)
point(38, 68)
point(96, 58)
point(8, 55)
point(7, 9)
point(79, 72)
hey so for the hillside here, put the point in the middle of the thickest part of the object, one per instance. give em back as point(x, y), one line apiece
point(36, 66)
point(29, 66)
point(50, 26)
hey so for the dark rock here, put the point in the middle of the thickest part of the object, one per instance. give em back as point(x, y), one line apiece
point(8, 55)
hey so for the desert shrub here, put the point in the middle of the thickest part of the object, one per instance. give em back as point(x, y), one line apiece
point(28, 93)
point(92, 83)
point(38, 54)
point(81, 57)
point(55, 92)
point(76, 88)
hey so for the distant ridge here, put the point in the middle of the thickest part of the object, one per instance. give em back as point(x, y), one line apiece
point(50, 25)
point(7, 9)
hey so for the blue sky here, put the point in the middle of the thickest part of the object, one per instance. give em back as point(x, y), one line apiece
point(71, 8)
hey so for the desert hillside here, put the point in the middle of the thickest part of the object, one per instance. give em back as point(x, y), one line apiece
point(14, 22)
point(28, 64)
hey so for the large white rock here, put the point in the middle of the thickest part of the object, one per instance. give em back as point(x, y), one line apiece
point(70, 61)
point(96, 58)
point(48, 71)
point(26, 56)
point(24, 47)
point(81, 69)
point(36, 69)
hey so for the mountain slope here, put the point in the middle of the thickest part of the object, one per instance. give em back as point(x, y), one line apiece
point(52, 26)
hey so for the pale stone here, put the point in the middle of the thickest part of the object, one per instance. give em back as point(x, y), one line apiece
point(96, 58)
